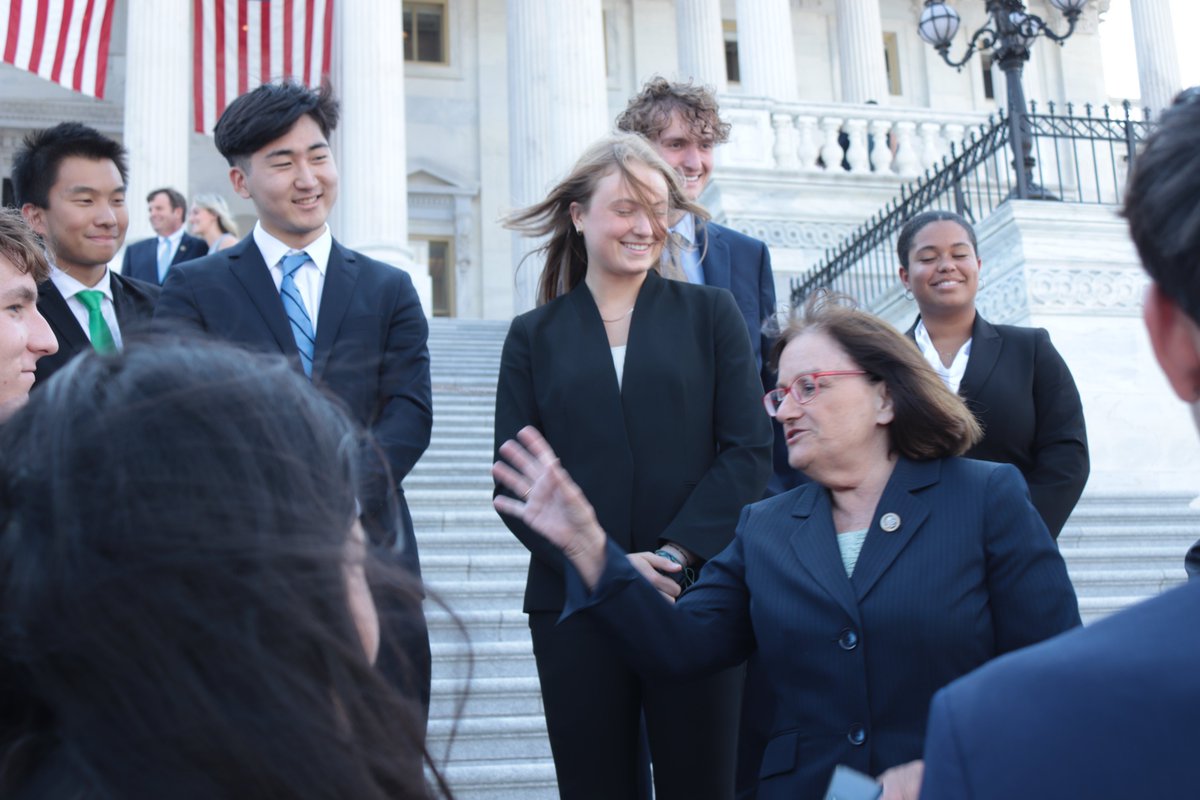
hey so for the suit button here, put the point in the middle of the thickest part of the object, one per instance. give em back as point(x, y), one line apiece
point(857, 736)
point(848, 640)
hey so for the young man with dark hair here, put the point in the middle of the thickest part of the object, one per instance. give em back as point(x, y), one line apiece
point(25, 336)
point(1108, 710)
point(149, 259)
point(353, 324)
point(69, 183)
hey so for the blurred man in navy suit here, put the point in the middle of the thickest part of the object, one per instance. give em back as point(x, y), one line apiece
point(149, 259)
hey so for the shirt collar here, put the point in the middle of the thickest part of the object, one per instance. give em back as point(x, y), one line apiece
point(274, 250)
point(176, 237)
point(68, 286)
point(686, 228)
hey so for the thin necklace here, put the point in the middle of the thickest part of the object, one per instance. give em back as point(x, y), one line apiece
point(618, 319)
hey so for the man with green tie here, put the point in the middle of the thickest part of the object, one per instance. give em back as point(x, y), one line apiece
point(69, 183)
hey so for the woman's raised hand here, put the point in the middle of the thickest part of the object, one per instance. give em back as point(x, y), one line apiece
point(549, 502)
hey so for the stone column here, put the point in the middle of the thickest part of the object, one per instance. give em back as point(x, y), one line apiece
point(557, 106)
point(158, 88)
point(701, 42)
point(860, 51)
point(1158, 62)
point(767, 49)
point(372, 156)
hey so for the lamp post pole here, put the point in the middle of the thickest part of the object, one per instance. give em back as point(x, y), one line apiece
point(1009, 34)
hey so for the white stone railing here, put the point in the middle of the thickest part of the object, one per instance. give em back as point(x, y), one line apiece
point(840, 139)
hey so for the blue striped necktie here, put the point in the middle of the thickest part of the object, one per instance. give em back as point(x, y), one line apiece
point(302, 328)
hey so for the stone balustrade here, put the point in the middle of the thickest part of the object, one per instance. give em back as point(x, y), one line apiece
point(839, 138)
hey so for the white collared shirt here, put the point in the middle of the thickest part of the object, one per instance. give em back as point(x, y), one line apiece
point(68, 287)
point(689, 256)
point(310, 278)
point(952, 375)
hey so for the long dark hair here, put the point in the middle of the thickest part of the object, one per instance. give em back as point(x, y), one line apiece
point(174, 526)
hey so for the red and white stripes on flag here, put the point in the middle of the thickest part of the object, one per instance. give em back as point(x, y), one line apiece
point(65, 41)
point(239, 44)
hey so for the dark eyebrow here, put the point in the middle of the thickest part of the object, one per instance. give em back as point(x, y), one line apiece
point(283, 151)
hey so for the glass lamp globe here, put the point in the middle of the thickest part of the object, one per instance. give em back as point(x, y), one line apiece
point(1067, 6)
point(939, 22)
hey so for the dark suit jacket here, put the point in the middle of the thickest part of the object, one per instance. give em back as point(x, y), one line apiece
point(1022, 393)
point(133, 300)
point(742, 265)
point(1104, 712)
point(674, 454)
point(853, 662)
point(141, 258)
point(370, 348)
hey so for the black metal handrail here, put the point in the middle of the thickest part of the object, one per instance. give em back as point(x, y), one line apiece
point(1080, 155)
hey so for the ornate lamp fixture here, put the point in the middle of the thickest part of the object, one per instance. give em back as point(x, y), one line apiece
point(1009, 33)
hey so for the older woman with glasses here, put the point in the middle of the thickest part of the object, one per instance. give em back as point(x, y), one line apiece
point(897, 569)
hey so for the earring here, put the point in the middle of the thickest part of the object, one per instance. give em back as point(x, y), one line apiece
point(908, 295)
point(579, 230)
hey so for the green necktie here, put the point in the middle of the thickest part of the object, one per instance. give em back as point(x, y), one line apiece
point(101, 335)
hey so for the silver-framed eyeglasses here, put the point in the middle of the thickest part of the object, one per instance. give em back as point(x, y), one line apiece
point(803, 389)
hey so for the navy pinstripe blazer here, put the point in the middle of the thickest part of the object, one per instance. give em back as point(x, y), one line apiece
point(853, 662)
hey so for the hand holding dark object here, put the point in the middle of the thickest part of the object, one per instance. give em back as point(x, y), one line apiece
point(549, 502)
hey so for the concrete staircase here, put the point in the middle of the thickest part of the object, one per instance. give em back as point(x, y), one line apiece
point(486, 728)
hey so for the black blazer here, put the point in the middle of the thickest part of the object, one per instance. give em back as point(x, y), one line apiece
point(370, 349)
point(133, 301)
point(1021, 391)
point(674, 454)
point(141, 258)
point(852, 662)
point(742, 265)
point(1108, 711)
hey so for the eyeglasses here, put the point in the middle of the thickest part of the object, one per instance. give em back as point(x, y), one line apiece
point(803, 389)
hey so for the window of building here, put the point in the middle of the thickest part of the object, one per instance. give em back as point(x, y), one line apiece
point(425, 33)
point(989, 83)
point(732, 73)
point(891, 61)
point(441, 273)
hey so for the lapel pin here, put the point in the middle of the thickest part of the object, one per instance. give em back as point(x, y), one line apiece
point(890, 522)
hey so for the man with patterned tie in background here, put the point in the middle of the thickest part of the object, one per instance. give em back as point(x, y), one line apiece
point(69, 182)
point(352, 324)
point(149, 259)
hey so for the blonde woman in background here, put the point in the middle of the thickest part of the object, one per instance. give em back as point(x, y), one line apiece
point(210, 220)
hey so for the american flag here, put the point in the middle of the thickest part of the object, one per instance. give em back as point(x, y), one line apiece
point(239, 44)
point(65, 41)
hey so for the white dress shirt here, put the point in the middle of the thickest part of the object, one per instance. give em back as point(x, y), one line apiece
point(310, 278)
point(68, 287)
point(952, 375)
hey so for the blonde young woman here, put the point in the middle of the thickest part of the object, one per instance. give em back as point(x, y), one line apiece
point(648, 390)
point(210, 220)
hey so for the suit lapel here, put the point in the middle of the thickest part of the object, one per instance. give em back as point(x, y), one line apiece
point(882, 547)
point(341, 274)
point(53, 306)
point(122, 304)
point(246, 263)
point(815, 544)
point(183, 252)
point(716, 258)
point(599, 377)
point(985, 351)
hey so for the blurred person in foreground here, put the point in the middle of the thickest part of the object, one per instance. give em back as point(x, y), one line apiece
point(898, 568)
point(1108, 711)
point(186, 607)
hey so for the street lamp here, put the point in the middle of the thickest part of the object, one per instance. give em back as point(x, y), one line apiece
point(1009, 34)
